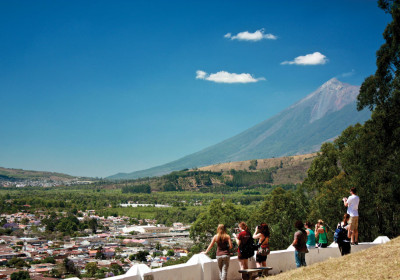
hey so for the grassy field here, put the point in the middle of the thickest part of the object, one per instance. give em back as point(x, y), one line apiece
point(378, 262)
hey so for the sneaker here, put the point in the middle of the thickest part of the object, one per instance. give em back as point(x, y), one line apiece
point(352, 243)
point(356, 243)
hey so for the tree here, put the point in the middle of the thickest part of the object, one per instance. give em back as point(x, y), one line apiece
point(139, 256)
point(368, 156)
point(253, 164)
point(20, 275)
point(17, 263)
point(116, 269)
point(91, 269)
point(280, 210)
point(93, 225)
point(218, 212)
point(170, 253)
point(99, 254)
point(381, 93)
point(70, 267)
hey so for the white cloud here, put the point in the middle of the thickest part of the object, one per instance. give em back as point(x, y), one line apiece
point(247, 36)
point(228, 78)
point(200, 74)
point(348, 74)
point(309, 59)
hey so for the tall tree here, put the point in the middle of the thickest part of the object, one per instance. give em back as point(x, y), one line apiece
point(368, 156)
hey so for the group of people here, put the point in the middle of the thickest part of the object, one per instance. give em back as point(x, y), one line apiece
point(305, 238)
point(243, 238)
point(346, 232)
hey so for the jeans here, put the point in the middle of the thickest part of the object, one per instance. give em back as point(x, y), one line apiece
point(223, 265)
point(300, 258)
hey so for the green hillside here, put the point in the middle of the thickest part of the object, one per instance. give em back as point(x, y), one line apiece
point(20, 174)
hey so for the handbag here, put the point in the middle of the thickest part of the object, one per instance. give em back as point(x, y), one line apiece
point(263, 251)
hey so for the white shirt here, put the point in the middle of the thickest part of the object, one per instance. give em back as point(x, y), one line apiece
point(352, 205)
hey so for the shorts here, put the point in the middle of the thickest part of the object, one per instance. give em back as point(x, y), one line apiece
point(260, 258)
point(353, 223)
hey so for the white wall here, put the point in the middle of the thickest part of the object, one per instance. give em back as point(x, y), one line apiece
point(201, 267)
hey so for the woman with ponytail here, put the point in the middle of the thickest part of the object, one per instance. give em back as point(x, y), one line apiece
point(224, 244)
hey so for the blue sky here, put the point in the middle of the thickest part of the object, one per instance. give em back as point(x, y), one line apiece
point(93, 88)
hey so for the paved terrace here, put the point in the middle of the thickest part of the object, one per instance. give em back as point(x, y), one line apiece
point(201, 267)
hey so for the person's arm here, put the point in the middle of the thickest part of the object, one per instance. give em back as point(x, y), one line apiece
point(237, 238)
point(308, 232)
point(256, 234)
point(211, 244)
point(294, 240)
point(316, 231)
point(346, 201)
point(230, 243)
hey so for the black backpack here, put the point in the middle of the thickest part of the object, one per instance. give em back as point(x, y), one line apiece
point(247, 250)
point(340, 234)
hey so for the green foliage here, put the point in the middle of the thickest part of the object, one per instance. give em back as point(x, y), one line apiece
point(137, 189)
point(280, 210)
point(116, 269)
point(253, 164)
point(176, 261)
point(170, 253)
point(139, 256)
point(218, 212)
point(99, 254)
point(49, 259)
point(91, 269)
point(243, 178)
point(70, 267)
point(20, 275)
point(68, 225)
point(17, 263)
point(368, 156)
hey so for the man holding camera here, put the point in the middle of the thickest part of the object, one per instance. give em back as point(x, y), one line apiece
point(352, 209)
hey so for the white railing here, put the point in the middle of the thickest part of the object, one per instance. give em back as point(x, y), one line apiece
point(201, 267)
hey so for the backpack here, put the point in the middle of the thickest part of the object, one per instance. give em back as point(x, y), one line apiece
point(340, 234)
point(247, 250)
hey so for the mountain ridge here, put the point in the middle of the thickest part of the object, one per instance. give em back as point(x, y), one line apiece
point(299, 129)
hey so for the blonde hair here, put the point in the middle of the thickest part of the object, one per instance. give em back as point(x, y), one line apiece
point(321, 222)
point(221, 233)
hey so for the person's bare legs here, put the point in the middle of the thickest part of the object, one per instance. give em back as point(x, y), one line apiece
point(261, 264)
point(244, 264)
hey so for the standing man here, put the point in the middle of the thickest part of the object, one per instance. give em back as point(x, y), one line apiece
point(299, 244)
point(352, 209)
